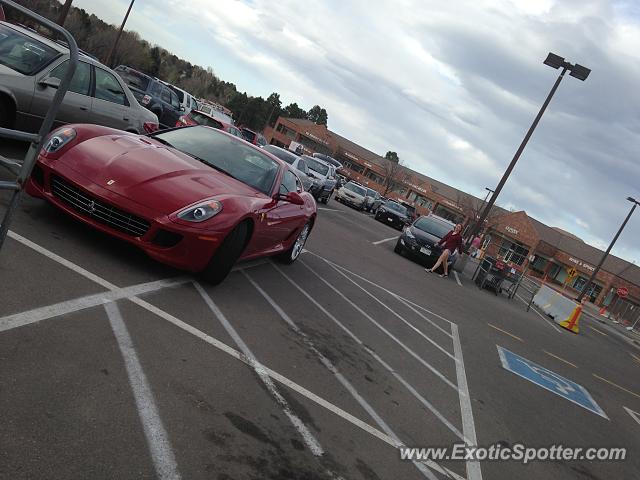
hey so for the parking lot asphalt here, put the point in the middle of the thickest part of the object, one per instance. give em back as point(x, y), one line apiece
point(114, 366)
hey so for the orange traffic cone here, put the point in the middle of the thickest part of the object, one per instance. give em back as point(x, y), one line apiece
point(571, 323)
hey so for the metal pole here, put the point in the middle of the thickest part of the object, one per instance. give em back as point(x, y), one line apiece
point(504, 178)
point(606, 254)
point(115, 44)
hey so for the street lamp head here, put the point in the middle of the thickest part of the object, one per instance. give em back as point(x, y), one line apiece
point(631, 199)
point(579, 72)
point(554, 61)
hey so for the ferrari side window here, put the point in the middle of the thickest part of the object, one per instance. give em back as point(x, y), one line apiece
point(289, 183)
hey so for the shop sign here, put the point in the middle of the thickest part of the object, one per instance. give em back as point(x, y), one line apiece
point(316, 138)
point(511, 230)
point(351, 156)
point(586, 266)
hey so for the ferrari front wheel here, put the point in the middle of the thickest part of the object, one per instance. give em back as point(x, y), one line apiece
point(291, 255)
point(226, 256)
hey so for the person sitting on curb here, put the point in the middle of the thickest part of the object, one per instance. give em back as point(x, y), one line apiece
point(452, 241)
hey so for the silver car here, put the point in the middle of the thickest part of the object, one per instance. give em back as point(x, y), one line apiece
point(31, 67)
point(299, 164)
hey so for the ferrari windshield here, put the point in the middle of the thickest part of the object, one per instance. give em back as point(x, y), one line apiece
point(224, 153)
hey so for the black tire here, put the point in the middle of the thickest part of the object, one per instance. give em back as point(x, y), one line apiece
point(398, 248)
point(291, 255)
point(226, 256)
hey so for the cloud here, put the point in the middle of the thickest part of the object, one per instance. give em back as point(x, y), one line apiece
point(451, 86)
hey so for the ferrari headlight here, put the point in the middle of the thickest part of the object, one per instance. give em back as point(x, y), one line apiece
point(201, 212)
point(59, 139)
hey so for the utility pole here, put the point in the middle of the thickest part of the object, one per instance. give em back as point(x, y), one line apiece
point(64, 12)
point(115, 44)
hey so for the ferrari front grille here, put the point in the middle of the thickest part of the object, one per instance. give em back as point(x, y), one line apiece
point(101, 212)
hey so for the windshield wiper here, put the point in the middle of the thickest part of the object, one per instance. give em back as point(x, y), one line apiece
point(215, 167)
point(162, 141)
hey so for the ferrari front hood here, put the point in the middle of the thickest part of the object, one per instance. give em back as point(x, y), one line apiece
point(160, 178)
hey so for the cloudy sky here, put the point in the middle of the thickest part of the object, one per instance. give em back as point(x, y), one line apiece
point(451, 86)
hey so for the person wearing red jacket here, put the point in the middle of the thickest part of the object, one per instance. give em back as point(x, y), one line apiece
point(451, 242)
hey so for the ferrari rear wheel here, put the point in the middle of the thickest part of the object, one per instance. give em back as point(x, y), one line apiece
point(226, 256)
point(294, 252)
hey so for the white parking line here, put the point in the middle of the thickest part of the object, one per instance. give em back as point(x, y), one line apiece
point(634, 415)
point(386, 366)
point(331, 367)
point(311, 442)
point(330, 209)
point(393, 294)
point(421, 360)
point(42, 313)
point(385, 240)
point(397, 315)
point(239, 356)
point(455, 274)
point(162, 455)
point(468, 425)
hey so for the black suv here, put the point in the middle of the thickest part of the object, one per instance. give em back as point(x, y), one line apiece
point(420, 239)
point(153, 94)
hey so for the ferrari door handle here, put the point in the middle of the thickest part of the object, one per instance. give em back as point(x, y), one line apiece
point(84, 108)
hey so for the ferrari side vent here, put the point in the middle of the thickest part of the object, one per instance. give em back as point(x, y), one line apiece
point(96, 209)
point(166, 239)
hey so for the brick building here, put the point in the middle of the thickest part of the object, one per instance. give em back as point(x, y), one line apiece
point(520, 240)
point(368, 168)
point(550, 253)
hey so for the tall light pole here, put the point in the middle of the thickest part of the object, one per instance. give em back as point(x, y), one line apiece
point(115, 43)
point(554, 61)
point(606, 254)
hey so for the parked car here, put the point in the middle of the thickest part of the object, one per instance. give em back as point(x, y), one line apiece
point(420, 239)
point(31, 68)
point(329, 159)
point(212, 111)
point(153, 94)
point(254, 137)
point(187, 102)
point(195, 198)
point(325, 173)
point(198, 118)
point(299, 164)
point(352, 194)
point(411, 210)
point(373, 200)
point(394, 214)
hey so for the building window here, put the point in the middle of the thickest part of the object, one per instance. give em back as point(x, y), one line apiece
point(448, 214)
point(420, 200)
point(513, 252)
point(594, 289)
point(314, 146)
point(350, 165)
point(539, 264)
point(375, 177)
point(286, 131)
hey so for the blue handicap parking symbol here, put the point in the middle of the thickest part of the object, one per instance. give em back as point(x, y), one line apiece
point(549, 380)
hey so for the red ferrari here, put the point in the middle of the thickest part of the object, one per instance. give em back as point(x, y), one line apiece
point(195, 198)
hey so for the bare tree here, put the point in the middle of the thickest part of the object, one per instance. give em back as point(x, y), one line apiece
point(394, 176)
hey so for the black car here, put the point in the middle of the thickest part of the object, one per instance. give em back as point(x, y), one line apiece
point(420, 239)
point(394, 214)
point(153, 94)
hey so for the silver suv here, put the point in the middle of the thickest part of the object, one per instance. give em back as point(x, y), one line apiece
point(31, 67)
